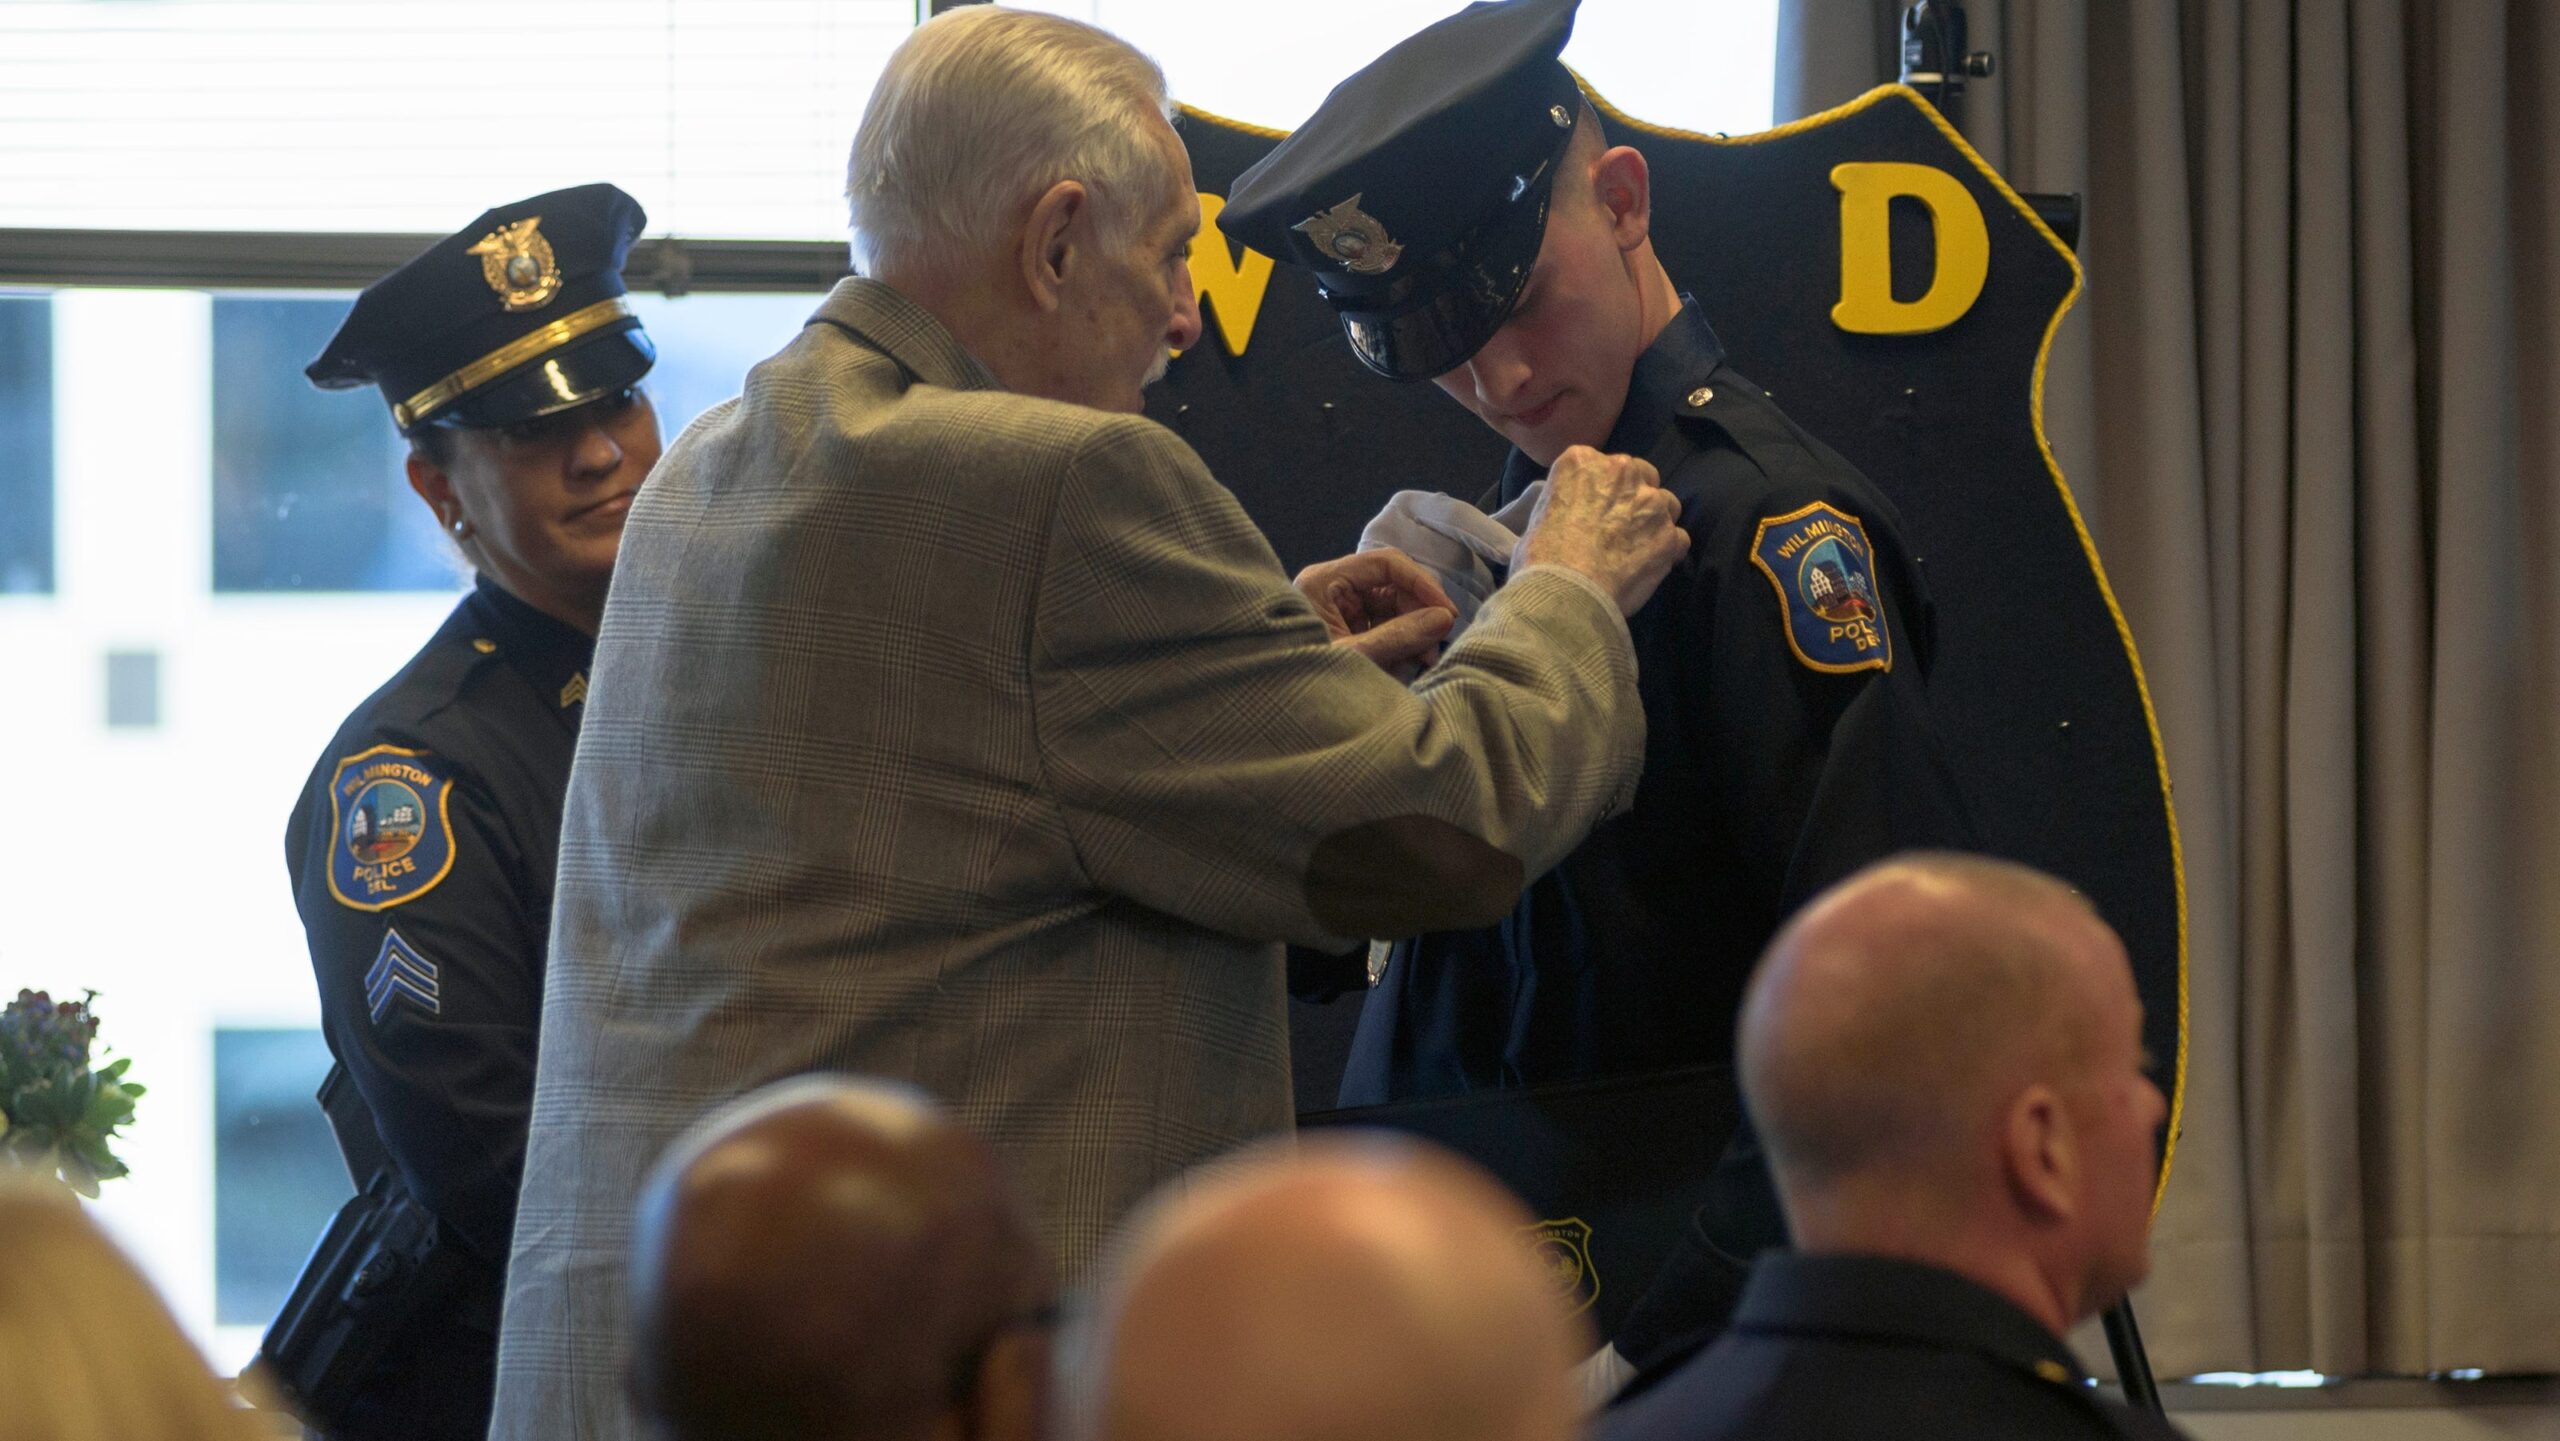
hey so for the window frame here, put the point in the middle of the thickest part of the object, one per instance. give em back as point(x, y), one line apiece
point(349, 260)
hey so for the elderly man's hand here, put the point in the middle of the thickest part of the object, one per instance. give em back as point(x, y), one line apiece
point(1382, 605)
point(1608, 517)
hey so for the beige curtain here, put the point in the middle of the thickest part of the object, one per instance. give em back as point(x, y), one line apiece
point(2311, 403)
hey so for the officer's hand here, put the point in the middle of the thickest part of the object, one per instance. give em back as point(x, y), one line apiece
point(1608, 517)
point(1382, 605)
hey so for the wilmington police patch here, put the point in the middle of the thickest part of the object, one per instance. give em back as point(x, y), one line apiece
point(392, 837)
point(1819, 560)
point(1564, 1248)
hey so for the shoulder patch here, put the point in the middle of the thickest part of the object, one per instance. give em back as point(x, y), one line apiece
point(1564, 1248)
point(1824, 570)
point(401, 973)
point(391, 828)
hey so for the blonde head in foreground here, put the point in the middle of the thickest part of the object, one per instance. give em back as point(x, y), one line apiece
point(87, 1350)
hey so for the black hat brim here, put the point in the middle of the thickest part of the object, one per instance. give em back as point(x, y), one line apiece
point(1451, 306)
point(588, 369)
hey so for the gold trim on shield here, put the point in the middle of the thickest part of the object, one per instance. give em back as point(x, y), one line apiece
point(507, 357)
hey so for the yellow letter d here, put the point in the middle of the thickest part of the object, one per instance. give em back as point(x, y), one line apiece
point(1867, 306)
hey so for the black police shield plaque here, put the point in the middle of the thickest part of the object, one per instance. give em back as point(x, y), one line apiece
point(1898, 299)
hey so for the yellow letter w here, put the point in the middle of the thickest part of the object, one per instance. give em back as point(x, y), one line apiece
point(1231, 291)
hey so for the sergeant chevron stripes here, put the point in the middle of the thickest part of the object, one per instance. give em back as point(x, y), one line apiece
point(400, 971)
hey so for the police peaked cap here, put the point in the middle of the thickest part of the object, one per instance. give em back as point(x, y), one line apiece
point(520, 314)
point(1418, 191)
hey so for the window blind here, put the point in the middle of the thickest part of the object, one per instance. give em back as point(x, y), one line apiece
point(1706, 65)
point(727, 118)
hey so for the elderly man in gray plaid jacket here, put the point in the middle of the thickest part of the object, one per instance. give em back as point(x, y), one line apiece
point(951, 723)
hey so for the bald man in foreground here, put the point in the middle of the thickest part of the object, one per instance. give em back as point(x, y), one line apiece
point(1366, 1289)
point(1944, 1057)
point(833, 1260)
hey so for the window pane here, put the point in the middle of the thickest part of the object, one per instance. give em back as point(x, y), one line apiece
point(309, 492)
point(26, 444)
point(277, 1178)
point(234, 1172)
point(708, 343)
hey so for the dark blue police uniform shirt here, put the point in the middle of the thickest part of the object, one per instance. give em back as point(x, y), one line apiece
point(1767, 777)
point(422, 852)
point(1844, 1348)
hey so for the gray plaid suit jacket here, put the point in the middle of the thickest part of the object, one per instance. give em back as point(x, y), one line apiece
point(949, 734)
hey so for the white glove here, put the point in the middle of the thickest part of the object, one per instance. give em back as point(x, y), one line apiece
point(1453, 540)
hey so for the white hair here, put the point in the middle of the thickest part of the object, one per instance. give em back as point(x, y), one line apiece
point(979, 112)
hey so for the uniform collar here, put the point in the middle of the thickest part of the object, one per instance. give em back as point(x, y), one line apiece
point(906, 332)
point(1894, 1300)
point(1667, 381)
point(552, 654)
point(1671, 370)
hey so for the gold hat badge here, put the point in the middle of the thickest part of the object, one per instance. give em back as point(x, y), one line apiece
point(518, 264)
point(1354, 237)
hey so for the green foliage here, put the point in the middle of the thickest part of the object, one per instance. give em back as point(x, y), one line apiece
point(56, 1114)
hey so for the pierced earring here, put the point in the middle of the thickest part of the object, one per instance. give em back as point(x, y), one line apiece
point(459, 527)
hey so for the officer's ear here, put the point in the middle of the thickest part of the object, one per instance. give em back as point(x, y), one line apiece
point(428, 478)
point(1623, 184)
point(2040, 1155)
point(1061, 220)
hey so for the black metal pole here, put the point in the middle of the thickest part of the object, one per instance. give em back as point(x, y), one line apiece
point(2133, 1368)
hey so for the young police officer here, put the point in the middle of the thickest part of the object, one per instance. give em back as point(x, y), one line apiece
point(422, 848)
point(1470, 225)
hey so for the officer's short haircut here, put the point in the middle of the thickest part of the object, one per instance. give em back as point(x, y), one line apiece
point(1960, 991)
point(435, 442)
point(979, 112)
point(1590, 137)
point(1587, 127)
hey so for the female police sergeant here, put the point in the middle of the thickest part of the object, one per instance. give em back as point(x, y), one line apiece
point(422, 848)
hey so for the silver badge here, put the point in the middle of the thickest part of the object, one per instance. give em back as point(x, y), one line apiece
point(1354, 237)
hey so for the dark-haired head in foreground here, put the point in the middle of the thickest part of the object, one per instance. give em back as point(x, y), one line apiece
point(835, 1259)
